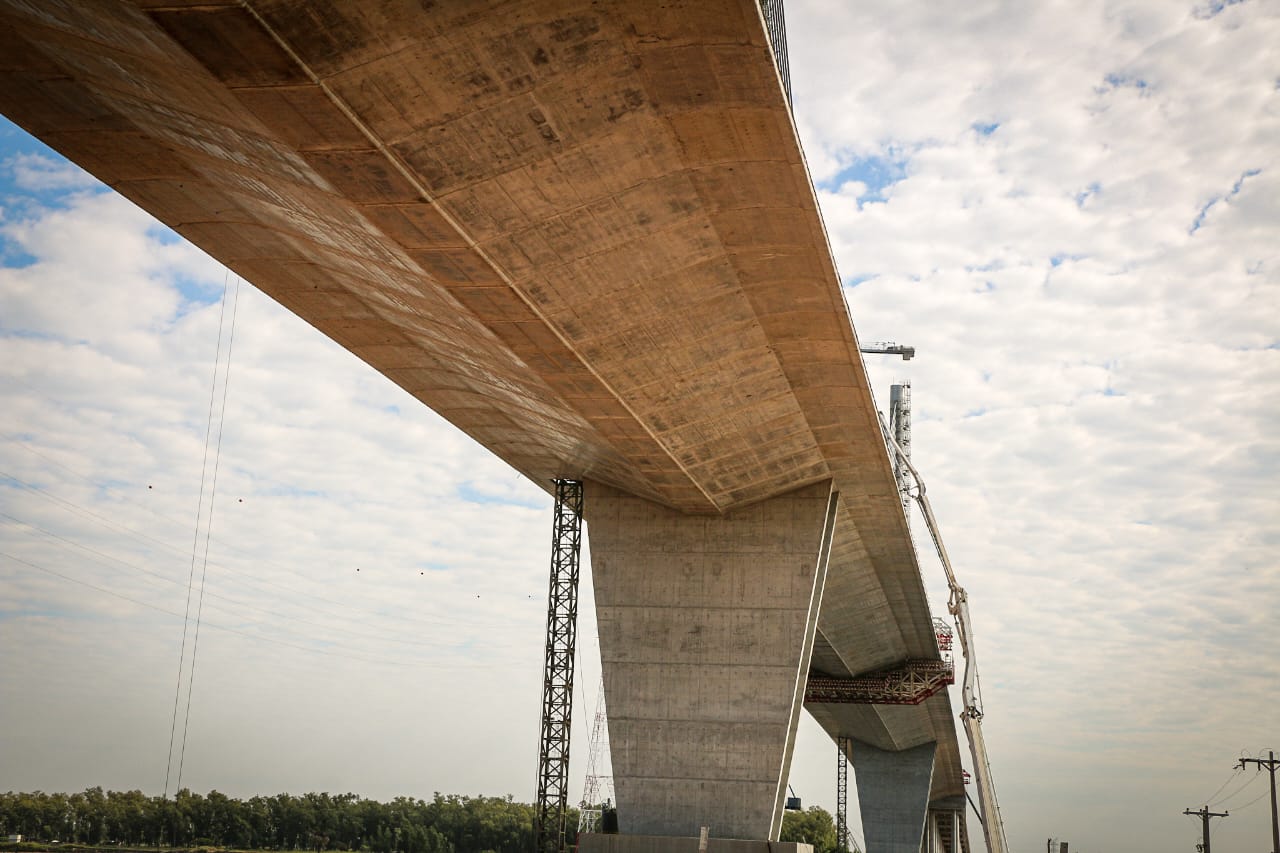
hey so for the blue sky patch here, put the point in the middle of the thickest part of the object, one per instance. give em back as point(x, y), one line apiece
point(13, 256)
point(1121, 80)
point(164, 235)
point(32, 171)
point(196, 292)
point(877, 173)
point(984, 128)
point(1087, 193)
point(1213, 8)
point(1235, 191)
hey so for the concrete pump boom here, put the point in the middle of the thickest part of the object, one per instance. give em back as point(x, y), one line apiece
point(971, 716)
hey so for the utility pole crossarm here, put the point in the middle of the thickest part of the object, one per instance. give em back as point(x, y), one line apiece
point(1204, 814)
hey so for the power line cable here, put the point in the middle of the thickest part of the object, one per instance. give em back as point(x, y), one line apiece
point(1239, 790)
point(1254, 800)
point(208, 432)
point(208, 528)
point(1210, 800)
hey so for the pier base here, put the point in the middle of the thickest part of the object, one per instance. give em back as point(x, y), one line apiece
point(597, 843)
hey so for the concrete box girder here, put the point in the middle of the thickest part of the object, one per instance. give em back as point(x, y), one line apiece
point(584, 233)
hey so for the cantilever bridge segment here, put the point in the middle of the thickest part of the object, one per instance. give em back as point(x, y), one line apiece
point(585, 234)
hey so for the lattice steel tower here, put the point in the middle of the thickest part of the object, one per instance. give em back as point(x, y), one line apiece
point(557, 685)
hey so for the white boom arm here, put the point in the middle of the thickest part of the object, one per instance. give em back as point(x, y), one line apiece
point(971, 716)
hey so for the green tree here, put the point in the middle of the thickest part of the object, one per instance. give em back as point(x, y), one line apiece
point(813, 826)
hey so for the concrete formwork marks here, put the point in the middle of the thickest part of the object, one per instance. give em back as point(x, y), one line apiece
point(705, 629)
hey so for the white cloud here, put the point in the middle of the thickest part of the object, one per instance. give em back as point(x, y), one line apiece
point(39, 173)
point(1096, 379)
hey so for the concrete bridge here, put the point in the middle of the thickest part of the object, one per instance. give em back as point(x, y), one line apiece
point(583, 232)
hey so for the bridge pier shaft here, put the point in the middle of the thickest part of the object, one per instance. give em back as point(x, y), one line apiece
point(706, 629)
point(893, 795)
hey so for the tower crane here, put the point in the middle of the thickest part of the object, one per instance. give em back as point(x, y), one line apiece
point(971, 716)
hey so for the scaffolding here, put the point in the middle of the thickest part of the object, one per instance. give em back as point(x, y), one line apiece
point(557, 686)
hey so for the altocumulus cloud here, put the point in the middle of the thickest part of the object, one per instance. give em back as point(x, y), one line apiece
point(1081, 242)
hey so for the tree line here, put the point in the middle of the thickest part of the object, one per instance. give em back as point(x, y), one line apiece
point(445, 824)
point(320, 822)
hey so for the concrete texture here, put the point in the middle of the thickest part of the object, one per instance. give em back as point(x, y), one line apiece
point(583, 232)
point(893, 796)
point(594, 843)
point(706, 625)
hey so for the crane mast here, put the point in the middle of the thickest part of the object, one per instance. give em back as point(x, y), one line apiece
point(971, 716)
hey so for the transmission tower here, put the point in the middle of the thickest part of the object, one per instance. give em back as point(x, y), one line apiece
point(557, 685)
point(594, 796)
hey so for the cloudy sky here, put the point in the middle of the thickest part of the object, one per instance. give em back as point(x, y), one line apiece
point(1072, 211)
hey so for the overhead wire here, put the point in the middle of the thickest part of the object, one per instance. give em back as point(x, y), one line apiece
point(1210, 801)
point(1239, 790)
point(186, 619)
point(208, 527)
point(1254, 800)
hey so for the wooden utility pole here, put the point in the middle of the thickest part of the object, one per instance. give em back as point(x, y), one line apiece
point(1270, 763)
point(1204, 814)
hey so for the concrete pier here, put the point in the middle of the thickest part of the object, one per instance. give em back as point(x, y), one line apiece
point(893, 795)
point(706, 629)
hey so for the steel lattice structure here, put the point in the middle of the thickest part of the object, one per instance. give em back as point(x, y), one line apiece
point(909, 684)
point(843, 747)
point(557, 685)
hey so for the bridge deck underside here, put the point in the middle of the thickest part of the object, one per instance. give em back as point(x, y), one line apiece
point(583, 232)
